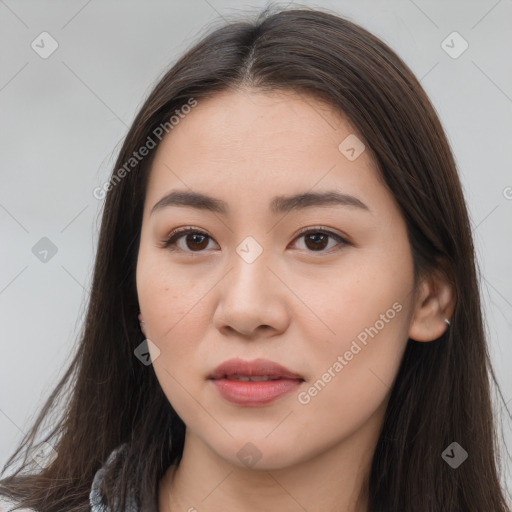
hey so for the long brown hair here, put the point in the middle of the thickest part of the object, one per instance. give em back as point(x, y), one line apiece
point(442, 392)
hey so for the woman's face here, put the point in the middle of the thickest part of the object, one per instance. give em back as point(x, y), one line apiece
point(332, 305)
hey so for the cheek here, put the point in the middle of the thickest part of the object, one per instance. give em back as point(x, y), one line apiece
point(175, 306)
point(175, 323)
point(166, 295)
point(340, 302)
point(351, 384)
point(353, 367)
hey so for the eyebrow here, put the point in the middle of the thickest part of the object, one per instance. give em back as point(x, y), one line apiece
point(278, 205)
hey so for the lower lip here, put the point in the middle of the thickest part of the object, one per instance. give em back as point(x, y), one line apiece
point(253, 394)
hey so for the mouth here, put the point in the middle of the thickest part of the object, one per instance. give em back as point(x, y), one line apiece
point(258, 369)
point(251, 378)
point(253, 383)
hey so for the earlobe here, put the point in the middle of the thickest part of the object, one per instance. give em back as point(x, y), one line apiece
point(141, 322)
point(435, 303)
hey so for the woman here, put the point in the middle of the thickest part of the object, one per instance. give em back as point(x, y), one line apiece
point(285, 312)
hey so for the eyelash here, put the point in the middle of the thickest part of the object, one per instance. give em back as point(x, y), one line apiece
point(170, 242)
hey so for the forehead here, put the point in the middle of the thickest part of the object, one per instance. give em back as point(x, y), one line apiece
point(248, 142)
point(249, 120)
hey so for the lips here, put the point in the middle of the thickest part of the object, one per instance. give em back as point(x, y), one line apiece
point(259, 369)
point(253, 383)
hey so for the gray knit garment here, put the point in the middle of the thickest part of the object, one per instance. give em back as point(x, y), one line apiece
point(95, 495)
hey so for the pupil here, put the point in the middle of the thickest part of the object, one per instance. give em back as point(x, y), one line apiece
point(314, 237)
point(195, 238)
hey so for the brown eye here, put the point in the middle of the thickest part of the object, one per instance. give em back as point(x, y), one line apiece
point(317, 240)
point(194, 240)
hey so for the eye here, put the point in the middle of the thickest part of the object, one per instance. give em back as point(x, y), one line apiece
point(317, 239)
point(195, 240)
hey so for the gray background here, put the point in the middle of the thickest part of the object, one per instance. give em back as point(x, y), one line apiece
point(63, 118)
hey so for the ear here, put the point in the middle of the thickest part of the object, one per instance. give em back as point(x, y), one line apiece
point(435, 301)
point(141, 322)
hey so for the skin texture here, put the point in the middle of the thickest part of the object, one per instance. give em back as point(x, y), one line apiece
point(295, 305)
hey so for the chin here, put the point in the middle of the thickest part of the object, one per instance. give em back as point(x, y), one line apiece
point(258, 453)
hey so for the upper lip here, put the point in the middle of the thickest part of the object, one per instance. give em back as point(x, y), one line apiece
point(262, 367)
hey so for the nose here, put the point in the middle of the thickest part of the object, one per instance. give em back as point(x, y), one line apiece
point(252, 300)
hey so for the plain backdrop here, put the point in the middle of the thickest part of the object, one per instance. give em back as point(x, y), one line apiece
point(63, 118)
